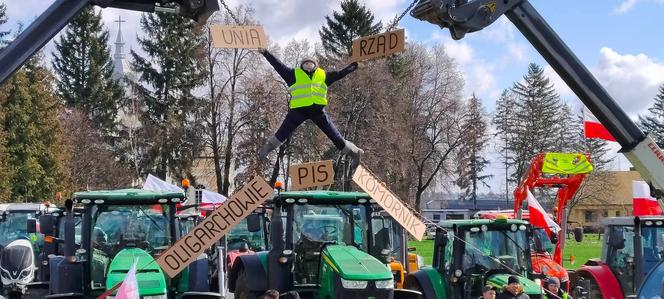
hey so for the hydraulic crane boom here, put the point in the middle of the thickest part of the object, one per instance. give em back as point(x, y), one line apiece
point(56, 17)
point(463, 16)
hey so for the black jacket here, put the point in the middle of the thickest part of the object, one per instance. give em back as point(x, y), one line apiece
point(288, 74)
point(507, 295)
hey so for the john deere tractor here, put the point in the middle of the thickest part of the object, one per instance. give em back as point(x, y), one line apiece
point(469, 254)
point(320, 249)
point(121, 228)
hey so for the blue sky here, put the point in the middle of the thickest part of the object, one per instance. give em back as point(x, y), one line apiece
point(620, 41)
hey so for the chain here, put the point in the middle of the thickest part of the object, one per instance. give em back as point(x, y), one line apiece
point(403, 14)
point(230, 12)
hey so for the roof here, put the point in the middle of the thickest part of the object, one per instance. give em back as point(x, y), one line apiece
point(629, 220)
point(21, 207)
point(475, 222)
point(127, 196)
point(324, 197)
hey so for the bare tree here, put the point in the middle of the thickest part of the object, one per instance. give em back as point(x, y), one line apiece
point(92, 165)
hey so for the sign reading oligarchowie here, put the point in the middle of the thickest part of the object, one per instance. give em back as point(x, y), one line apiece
point(390, 202)
point(214, 226)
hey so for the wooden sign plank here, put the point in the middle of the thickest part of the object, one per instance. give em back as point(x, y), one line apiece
point(214, 226)
point(238, 37)
point(310, 175)
point(390, 202)
point(379, 45)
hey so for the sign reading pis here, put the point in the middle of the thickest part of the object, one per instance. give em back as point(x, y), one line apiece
point(310, 175)
point(390, 203)
point(238, 37)
point(214, 226)
point(379, 45)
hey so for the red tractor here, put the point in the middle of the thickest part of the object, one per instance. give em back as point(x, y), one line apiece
point(632, 248)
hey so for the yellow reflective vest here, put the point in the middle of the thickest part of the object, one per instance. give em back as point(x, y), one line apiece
point(308, 91)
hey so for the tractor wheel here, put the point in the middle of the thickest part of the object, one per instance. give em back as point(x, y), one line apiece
point(242, 287)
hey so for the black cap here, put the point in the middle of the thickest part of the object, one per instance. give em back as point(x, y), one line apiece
point(513, 279)
point(489, 288)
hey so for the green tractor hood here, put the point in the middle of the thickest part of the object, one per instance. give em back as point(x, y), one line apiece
point(151, 280)
point(529, 286)
point(353, 264)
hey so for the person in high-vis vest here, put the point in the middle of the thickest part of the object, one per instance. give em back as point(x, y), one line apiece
point(554, 291)
point(308, 85)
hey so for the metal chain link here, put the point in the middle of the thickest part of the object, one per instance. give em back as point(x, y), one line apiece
point(230, 12)
point(403, 14)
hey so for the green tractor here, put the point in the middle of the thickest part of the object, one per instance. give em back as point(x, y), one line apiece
point(120, 228)
point(469, 254)
point(320, 248)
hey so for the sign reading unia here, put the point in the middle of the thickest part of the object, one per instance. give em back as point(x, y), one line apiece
point(238, 37)
point(214, 226)
point(390, 203)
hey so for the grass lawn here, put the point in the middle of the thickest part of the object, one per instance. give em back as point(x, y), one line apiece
point(591, 247)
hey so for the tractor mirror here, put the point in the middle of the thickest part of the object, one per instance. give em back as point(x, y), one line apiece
point(47, 224)
point(253, 223)
point(578, 234)
point(32, 226)
point(554, 238)
point(617, 240)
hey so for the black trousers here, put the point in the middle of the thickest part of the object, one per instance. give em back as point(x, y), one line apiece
point(318, 116)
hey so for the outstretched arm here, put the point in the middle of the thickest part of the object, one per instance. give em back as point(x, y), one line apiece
point(288, 74)
point(334, 76)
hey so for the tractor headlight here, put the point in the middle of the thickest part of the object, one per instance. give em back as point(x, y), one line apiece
point(354, 284)
point(163, 296)
point(385, 284)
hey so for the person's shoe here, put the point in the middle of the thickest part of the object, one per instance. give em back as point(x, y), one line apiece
point(267, 148)
point(355, 153)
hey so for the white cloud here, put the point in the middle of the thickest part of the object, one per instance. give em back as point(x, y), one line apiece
point(627, 5)
point(632, 80)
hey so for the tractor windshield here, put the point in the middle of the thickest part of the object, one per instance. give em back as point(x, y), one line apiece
point(15, 226)
point(240, 235)
point(340, 224)
point(488, 249)
point(653, 246)
point(116, 227)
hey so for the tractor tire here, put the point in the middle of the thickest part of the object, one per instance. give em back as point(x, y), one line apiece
point(242, 287)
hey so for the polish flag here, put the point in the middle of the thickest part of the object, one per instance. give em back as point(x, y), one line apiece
point(644, 204)
point(593, 128)
point(129, 287)
point(540, 218)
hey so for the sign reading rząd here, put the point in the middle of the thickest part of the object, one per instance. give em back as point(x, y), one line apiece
point(390, 203)
point(214, 226)
point(379, 45)
point(238, 37)
point(309, 175)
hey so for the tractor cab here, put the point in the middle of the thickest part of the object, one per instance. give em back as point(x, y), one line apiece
point(633, 247)
point(121, 228)
point(469, 254)
point(318, 240)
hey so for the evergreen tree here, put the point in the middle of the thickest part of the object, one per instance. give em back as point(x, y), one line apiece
point(170, 71)
point(34, 137)
point(653, 123)
point(3, 20)
point(5, 171)
point(530, 121)
point(471, 161)
point(353, 21)
point(83, 66)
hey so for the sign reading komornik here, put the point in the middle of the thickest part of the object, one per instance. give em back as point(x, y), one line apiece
point(214, 226)
point(390, 203)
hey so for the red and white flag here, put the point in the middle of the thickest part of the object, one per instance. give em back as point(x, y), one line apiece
point(129, 287)
point(592, 128)
point(540, 218)
point(644, 204)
